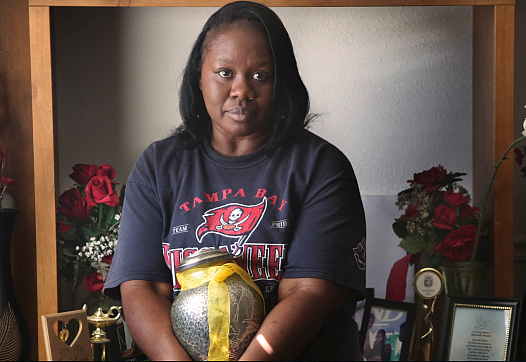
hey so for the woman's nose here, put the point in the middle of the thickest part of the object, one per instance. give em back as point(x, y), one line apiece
point(242, 89)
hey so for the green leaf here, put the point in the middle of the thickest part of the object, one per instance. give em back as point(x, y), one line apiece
point(68, 252)
point(432, 260)
point(69, 235)
point(85, 233)
point(405, 192)
point(110, 217)
point(400, 228)
point(103, 268)
point(451, 178)
point(413, 244)
point(121, 195)
point(65, 220)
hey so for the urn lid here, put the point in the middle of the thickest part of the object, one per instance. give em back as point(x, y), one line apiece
point(204, 256)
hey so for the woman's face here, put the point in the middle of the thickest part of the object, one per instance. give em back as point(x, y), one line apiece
point(237, 80)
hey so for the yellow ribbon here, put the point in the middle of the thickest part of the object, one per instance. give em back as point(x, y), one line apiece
point(218, 301)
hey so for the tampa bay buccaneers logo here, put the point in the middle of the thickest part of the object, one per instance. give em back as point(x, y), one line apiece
point(360, 254)
point(233, 221)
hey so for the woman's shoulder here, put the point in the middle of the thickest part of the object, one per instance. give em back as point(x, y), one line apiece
point(162, 154)
point(313, 145)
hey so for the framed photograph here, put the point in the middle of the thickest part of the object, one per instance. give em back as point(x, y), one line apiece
point(479, 328)
point(360, 308)
point(386, 331)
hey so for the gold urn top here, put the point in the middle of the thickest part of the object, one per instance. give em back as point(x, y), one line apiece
point(204, 256)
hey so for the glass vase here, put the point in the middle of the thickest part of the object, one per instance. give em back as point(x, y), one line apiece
point(462, 278)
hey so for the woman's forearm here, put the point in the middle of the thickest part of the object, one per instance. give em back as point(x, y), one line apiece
point(291, 325)
point(147, 308)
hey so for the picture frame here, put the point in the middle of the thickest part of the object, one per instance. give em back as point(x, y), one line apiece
point(485, 328)
point(359, 312)
point(396, 320)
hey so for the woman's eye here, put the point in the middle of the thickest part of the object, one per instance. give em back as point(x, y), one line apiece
point(260, 76)
point(225, 73)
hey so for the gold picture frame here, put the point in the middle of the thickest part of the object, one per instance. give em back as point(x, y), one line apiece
point(484, 328)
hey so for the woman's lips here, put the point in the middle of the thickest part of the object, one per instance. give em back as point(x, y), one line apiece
point(239, 113)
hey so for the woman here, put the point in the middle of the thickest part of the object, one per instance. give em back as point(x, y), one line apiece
point(243, 174)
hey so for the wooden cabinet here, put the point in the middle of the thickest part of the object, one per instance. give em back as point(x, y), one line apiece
point(26, 111)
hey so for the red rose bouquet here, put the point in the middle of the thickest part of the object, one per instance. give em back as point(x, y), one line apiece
point(88, 219)
point(4, 181)
point(438, 224)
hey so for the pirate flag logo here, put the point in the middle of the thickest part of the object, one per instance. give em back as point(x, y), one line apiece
point(233, 221)
point(360, 255)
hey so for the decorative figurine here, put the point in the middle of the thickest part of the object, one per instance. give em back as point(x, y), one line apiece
point(101, 320)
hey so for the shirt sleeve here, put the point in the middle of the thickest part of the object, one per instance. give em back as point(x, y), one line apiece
point(138, 255)
point(329, 228)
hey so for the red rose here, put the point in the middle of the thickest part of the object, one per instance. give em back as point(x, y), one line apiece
point(518, 156)
point(99, 190)
point(445, 217)
point(454, 198)
point(107, 259)
point(468, 212)
point(458, 244)
point(82, 173)
point(429, 179)
point(73, 204)
point(106, 170)
point(93, 282)
point(6, 181)
point(62, 228)
point(410, 212)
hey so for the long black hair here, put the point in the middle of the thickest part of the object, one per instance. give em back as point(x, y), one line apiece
point(291, 99)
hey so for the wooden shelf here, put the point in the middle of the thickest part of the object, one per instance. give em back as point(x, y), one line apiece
point(271, 3)
point(26, 99)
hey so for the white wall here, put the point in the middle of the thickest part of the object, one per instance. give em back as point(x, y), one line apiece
point(393, 86)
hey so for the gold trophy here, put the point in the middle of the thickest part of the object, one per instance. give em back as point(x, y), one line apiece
point(428, 284)
point(101, 320)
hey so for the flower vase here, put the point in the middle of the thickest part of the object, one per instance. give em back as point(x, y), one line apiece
point(461, 278)
point(15, 341)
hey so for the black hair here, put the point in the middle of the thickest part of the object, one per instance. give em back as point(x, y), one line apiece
point(291, 99)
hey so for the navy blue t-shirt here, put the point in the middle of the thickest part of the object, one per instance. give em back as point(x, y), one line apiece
point(293, 213)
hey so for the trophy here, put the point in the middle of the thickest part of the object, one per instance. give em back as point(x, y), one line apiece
point(428, 284)
point(101, 320)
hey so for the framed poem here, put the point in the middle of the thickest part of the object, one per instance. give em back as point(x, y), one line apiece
point(479, 328)
point(386, 331)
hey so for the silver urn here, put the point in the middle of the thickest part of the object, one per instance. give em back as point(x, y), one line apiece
point(189, 314)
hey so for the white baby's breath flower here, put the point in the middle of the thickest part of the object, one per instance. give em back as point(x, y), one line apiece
point(117, 217)
point(524, 127)
point(92, 238)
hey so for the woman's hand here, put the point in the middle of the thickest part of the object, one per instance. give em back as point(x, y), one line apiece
point(303, 306)
point(147, 307)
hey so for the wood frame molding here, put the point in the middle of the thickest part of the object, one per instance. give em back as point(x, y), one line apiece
point(493, 71)
point(44, 166)
point(271, 3)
